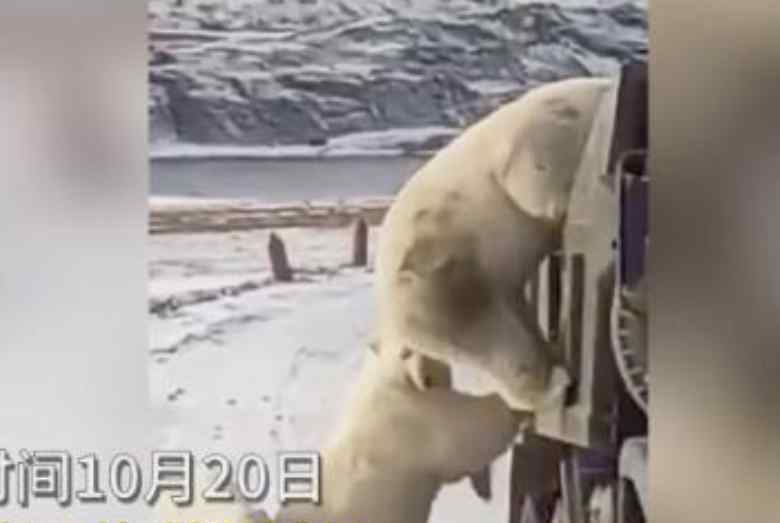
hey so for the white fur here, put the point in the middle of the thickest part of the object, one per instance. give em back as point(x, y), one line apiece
point(399, 445)
point(469, 228)
point(395, 449)
point(455, 250)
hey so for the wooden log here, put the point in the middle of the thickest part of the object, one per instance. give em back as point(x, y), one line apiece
point(280, 266)
point(360, 244)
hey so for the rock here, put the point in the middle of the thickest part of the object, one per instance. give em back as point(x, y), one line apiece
point(303, 72)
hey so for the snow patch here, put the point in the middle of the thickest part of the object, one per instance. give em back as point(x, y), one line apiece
point(393, 142)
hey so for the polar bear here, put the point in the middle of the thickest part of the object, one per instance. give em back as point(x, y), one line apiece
point(398, 445)
point(471, 226)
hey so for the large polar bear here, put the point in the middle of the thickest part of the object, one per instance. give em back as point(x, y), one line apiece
point(399, 444)
point(470, 227)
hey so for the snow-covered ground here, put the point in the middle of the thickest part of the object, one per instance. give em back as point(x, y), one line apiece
point(240, 363)
point(393, 142)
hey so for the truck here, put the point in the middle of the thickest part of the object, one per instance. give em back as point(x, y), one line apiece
point(586, 461)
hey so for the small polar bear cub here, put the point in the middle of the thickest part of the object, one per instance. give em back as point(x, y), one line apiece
point(471, 226)
point(399, 444)
point(396, 448)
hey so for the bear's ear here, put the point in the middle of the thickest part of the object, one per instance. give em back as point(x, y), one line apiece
point(374, 346)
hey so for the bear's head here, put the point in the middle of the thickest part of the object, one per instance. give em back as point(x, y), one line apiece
point(548, 129)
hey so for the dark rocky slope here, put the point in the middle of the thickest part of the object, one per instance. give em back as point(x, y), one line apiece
point(281, 72)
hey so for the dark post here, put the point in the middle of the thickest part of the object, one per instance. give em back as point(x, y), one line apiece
point(360, 245)
point(280, 266)
point(554, 267)
point(535, 474)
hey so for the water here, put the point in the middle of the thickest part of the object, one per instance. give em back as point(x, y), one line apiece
point(275, 181)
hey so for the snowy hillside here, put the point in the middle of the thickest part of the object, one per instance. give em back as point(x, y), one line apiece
point(302, 72)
